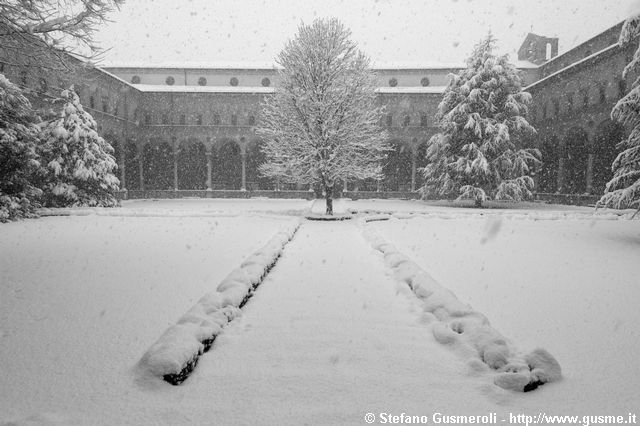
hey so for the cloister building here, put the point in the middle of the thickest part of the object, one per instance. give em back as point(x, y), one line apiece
point(191, 130)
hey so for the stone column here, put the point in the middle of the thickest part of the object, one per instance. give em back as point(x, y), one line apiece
point(123, 174)
point(243, 158)
point(175, 168)
point(208, 150)
point(140, 166)
point(414, 158)
point(590, 160)
point(560, 188)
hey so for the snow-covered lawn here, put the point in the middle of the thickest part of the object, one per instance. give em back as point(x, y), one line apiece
point(83, 297)
point(329, 335)
point(570, 286)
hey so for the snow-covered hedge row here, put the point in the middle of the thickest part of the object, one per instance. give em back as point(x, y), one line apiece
point(459, 325)
point(175, 354)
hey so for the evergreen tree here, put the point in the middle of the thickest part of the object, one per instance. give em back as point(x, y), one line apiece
point(479, 152)
point(18, 159)
point(79, 163)
point(322, 125)
point(623, 190)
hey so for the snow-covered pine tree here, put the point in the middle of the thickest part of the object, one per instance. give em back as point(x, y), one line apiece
point(322, 125)
point(78, 161)
point(479, 152)
point(18, 159)
point(623, 190)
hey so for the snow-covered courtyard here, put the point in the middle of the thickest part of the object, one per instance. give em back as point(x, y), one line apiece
point(331, 334)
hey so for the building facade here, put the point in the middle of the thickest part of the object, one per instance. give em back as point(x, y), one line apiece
point(177, 128)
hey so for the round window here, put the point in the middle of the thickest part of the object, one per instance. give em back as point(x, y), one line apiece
point(233, 81)
point(202, 81)
point(425, 81)
point(393, 82)
point(135, 79)
point(266, 82)
point(170, 80)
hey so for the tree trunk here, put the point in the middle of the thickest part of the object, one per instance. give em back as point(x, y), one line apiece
point(328, 191)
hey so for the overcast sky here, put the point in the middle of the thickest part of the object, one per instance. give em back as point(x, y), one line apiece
point(209, 31)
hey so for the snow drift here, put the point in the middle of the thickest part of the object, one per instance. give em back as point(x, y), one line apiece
point(176, 353)
point(468, 330)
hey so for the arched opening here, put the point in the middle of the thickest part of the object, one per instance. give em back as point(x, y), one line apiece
point(117, 155)
point(132, 166)
point(421, 163)
point(157, 160)
point(192, 165)
point(575, 161)
point(397, 168)
point(548, 171)
point(608, 135)
point(227, 167)
point(255, 157)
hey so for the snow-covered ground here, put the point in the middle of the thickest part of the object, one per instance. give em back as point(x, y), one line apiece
point(330, 335)
point(570, 286)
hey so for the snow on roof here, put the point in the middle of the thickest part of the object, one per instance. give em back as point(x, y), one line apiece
point(231, 66)
point(115, 77)
point(411, 89)
point(203, 89)
point(385, 66)
point(561, 70)
point(194, 65)
point(258, 89)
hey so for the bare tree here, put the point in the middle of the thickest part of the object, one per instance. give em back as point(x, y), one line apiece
point(322, 125)
point(41, 33)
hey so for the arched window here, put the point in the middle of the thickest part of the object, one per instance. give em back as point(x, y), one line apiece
point(170, 81)
point(202, 81)
point(266, 82)
point(183, 119)
point(393, 82)
point(406, 121)
point(585, 98)
point(547, 53)
point(216, 119)
point(424, 122)
point(234, 120)
point(165, 118)
point(602, 94)
point(199, 119)
point(622, 87)
point(252, 120)
point(389, 120)
point(234, 81)
point(105, 104)
point(556, 108)
point(147, 119)
point(135, 79)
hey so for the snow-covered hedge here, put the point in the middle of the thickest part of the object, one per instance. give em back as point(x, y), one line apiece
point(458, 324)
point(175, 354)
